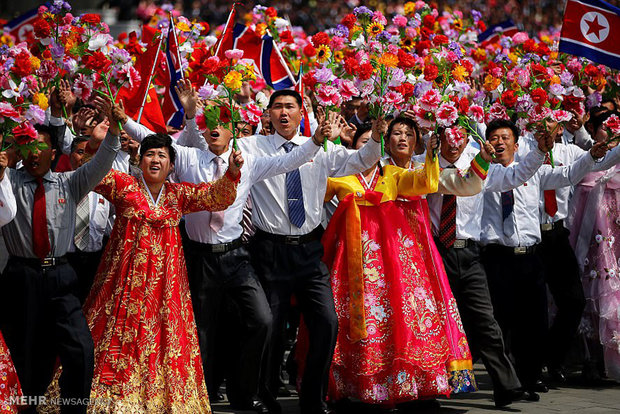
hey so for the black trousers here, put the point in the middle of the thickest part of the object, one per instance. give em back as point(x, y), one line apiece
point(41, 318)
point(564, 282)
point(287, 270)
point(216, 280)
point(519, 297)
point(85, 265)
point(469, 285)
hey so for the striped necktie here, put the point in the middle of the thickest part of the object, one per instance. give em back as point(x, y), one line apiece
point(82, 224)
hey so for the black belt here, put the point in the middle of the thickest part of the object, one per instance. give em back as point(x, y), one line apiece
point(42, 263)
point(552, 226)
point(517, 251)
point(217, 248)
point(291, 240)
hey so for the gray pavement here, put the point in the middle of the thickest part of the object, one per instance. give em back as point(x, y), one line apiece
point(573, 397)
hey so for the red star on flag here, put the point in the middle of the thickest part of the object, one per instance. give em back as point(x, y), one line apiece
point(594, 26)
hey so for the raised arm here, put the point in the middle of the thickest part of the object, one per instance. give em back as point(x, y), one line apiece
point(342, 162)
point(464, 183)
point(422, 180)
point(571, 174)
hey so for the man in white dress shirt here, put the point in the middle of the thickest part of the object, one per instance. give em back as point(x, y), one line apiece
point(510, 232)
point(287, 251)
point(219, 267)
point(92, 214)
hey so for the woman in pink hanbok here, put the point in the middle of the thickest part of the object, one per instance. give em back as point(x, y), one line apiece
point(594, 223)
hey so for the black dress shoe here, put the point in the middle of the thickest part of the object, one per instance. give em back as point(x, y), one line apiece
point(531, 396)
point(507, 397)
point(557, 374)
point(255, 405)
point(218, 397)
point(273, 406)
point(538, 386)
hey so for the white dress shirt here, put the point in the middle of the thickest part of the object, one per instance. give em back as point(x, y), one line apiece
point(196, 166)
point(8, 206)
point(98, 220)
point(524, 221)
point(469, 209)
point(581, 138)
point(270, 212)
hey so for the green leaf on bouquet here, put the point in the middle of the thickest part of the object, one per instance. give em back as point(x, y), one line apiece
point(212, 116)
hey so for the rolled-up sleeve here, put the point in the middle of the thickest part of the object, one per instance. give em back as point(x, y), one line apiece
point(8, 207)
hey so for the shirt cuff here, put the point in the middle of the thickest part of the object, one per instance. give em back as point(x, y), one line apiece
point(55, 121)
point(480, 167)
point(231, 178)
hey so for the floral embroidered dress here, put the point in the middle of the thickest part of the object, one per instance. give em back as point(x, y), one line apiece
point(392, 345)
point(460, 183)
point(147, 358)
point(595, 236)
point(9, 383)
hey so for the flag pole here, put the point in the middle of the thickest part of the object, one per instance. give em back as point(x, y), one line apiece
point(176, 40)
point(228, 22)
point(277, 49)
point(148, 87)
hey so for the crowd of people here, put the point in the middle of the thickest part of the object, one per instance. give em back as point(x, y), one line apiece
point(408, 207)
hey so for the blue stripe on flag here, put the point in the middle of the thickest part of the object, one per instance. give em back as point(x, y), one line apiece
point(597, 55)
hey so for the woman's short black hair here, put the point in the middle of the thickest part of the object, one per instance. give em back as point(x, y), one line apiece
point(361, 130)
point(284, 92)
point(496, 124)
point(158, 140)
point(405, 121)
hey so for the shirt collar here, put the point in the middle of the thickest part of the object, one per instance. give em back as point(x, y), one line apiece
point(278, 140)
point(225, 156)
point(47, 177)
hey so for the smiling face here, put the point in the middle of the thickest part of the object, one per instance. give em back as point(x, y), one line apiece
point(402, 141)
point(285, 115)
point(504, 142)
point(155, 165)
point(39, 163)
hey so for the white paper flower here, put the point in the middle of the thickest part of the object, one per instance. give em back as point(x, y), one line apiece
point(210, 40)
point(14, 90)
point(261, 100)
point(280, 23)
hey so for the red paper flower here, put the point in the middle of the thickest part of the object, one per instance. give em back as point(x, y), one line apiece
point(530, 46)
point(321, 38)
point(405, 60)
point(349, 20)
point(97, 62)
point(441, 40)
point(41, 28)
point(271, 12)
point(309, 50)
point(22, 66)
point(428, 21)
point(591, 71)
point(539, 96)
point(91, 18)
point(430, 72)
point(509, 99)
point(24, 133)
point(286, 36)
point(422, 46)
point(309, 80)
point(351, 66)
point(365, 71)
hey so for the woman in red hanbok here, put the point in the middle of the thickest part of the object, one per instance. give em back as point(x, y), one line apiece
point(395, 341)
point(10, 390)
point(139, 310)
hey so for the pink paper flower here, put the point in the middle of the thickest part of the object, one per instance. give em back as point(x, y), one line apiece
point(83, 87)
point(393, 99)
point(613, 124)
point(7, 111)
point(329, 95)
point(400, 20)
point(455, 136)
point(447, 114)
point(519, 38)
point(348, 90)
point(561, 115)
point(251, 114)
point(430, 100)
point(476, 112)
point(497, 111)
point(234, 54)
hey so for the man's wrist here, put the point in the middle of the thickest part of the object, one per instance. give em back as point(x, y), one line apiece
point(316, 141)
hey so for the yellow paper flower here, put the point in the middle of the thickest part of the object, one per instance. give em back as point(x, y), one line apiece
point(459, 73)
point(555, 79)
point(232, 80)
point(6, 40)
point(409, 8)
point(250, 74)
point(374, 29)
point(407, 44)
point(389, 60)
point(323, 53)
point(338, 55)
point(491, 83)
point(41, 100)
point(458, 25)
point(35, 62)
point(260, 29)
point(182, 26)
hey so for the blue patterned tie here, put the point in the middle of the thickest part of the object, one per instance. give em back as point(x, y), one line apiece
point(294, 192)
point(508, 204)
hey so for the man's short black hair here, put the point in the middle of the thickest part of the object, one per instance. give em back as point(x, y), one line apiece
point(496, 124)
point(158, 140)
point(284, 92)
point(78, 140)
point(47, 130)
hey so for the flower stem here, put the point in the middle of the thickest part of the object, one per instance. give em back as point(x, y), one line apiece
point(111, 96)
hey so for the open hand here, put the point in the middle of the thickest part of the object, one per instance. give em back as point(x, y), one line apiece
point(188, 97)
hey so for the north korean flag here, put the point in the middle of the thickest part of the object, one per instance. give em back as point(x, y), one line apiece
point(21, 26)
point(588, 31)
point(493, 33)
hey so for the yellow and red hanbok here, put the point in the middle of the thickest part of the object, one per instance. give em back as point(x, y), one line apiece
point(394, 341)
